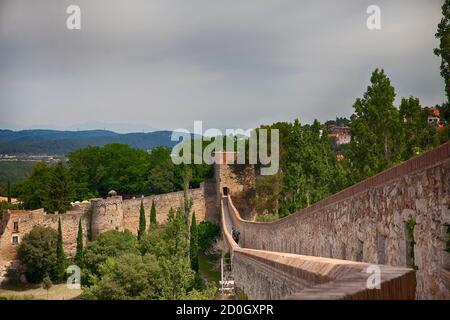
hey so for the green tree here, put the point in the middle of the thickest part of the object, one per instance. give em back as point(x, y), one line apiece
point(37, 252)
point(79, 253)
point(47, 283)
point(419, 135)
point(153, 221)
point(108, 244)
point(97, 170)
point(310, 169)
point(128, 276)
point(8, 191)
point(60, 256)
point(187, 174)
point(173, 256)
point(34, 191)
point(193, 244)
point(443, 35)
point(207, 232)
point(161, 177)
point(375, 128)
point(60, 192)
point(207, 294)
point(142, 222)
point(151, 240)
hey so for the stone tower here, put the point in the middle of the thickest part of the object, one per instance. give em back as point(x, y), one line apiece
point(232, 179)
point(107, 214)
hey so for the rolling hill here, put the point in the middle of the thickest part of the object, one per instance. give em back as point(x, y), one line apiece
point(53, 142)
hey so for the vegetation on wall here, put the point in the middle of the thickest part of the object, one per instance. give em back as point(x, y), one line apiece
point(410, 225)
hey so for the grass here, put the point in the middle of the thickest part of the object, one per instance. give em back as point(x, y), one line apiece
point(208, 267)
point(36, 292)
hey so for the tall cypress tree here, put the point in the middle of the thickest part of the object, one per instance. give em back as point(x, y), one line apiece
point(79, 253)
point(193, 245)
point(443, 35)
point(188, 202)
point(142, 223)
point(60, 256)
point(8, 191)
point(153, 214)
point(59, 190)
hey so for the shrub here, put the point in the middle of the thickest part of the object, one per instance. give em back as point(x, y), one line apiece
point(207, 231)
point(109, 244)
point(128, 276)
point(38, 253)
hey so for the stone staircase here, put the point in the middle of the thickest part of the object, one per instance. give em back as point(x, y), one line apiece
point(227, 285)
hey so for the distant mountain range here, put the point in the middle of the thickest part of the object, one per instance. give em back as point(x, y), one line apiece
point(54, 142)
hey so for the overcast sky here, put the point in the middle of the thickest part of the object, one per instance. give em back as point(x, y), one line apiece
point(161, 64)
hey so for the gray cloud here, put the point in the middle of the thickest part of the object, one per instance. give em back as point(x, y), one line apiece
point(165, 63)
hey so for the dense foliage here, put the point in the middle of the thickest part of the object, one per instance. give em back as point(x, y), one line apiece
point(206, 232)
point(13, 171)
point(128, 276)
point(94, 171)
point(443, 35)
point(158, 266)
point(375, 128)
point(193, 244)
point(37, 252)
point(108, 245)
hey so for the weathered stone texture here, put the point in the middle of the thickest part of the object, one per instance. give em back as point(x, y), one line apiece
point(238, 179)
point(203, 206)
point(367, 222)
point(275, 275)
point(28, 219)
point(100, 215)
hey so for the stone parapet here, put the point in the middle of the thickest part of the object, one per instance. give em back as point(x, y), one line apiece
point(368, 223)
point(276, 275)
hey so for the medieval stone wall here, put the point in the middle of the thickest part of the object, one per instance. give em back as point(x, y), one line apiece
point(97, 216)
point(19, 223)
point(368, 223)
point(240, 182)
point(204, 206)
point(275, 275)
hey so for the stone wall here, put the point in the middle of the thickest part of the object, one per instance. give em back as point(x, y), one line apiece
point(19, 223)
point(100, 215)
point(275, 275)
point(203, 204)
point(367, 222)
